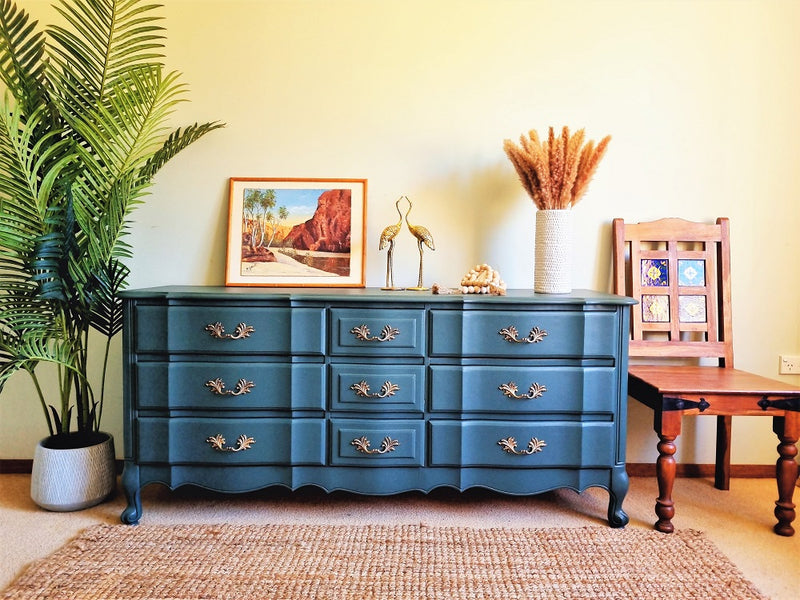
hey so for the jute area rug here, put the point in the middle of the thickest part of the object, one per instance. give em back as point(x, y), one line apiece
point(287, 562)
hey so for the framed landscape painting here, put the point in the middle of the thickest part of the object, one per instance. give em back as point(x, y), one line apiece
point(296, 232)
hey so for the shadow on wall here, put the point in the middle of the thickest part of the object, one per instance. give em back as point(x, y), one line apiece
point(603, 272)
point(218, 240)
point(480, 216)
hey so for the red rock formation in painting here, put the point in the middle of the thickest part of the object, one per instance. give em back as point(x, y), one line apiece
point(329, 229)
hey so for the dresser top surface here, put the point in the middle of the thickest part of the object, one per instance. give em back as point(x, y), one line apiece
point(368, 295)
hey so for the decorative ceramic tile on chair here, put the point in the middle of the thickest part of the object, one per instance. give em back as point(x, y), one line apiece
point(655, 272)
point(692, 309)
point(691, 272)
point(655, 309)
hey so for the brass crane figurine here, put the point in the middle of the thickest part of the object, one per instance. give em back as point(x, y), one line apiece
point(423, 237)
point(387, 239)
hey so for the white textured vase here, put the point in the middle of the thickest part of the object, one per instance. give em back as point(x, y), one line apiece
point(67, 479)
point(553, 252)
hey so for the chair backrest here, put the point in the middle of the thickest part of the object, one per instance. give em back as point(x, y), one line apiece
point(679, 271)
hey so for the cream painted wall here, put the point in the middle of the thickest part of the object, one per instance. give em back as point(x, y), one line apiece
point(701, 99)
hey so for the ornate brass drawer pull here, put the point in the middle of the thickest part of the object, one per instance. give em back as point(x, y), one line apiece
point(217, 386)
point(362, 333)
point(510, 389)
point(509, 444)
point(387, 389)
point(243, 442)
point(216, 330)
point(511, 334)
point(387, 445)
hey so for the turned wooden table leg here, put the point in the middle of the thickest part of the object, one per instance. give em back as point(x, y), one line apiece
point(788, 430)
point(668, 427)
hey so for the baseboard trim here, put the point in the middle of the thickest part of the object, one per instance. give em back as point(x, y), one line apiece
point(23, 466)
point(13, 466)
point(705, 470)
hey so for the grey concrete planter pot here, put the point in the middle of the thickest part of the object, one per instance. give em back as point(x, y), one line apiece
point(66, 478)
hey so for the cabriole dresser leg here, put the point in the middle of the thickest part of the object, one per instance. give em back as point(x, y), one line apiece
point(130, 485)
point(616, 492)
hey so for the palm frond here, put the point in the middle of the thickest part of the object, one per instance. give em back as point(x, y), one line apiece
point(107, 305)
point(30, 160)
point(133, 116)
point(30, 350)
point(106, 39)
point(54, 250)
point(29, 195)
point(21, 52)
point(102, 220)
point(177, 141)
point(31, 171)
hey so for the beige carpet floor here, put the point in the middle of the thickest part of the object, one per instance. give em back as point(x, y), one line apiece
point(738, 522)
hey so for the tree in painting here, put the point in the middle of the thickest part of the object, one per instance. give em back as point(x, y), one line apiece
point(259, 217)
point(275, 222)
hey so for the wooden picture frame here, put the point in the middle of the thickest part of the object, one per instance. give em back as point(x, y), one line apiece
point(296, 232)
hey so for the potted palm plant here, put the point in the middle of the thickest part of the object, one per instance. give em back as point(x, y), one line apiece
point(83, 131)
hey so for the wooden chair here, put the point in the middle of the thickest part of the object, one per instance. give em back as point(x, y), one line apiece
point(679, 271)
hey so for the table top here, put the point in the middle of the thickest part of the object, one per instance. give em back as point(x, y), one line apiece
point(675, 379)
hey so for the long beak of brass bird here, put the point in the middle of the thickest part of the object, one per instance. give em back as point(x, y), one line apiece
point(424, 237)
point(387, 239)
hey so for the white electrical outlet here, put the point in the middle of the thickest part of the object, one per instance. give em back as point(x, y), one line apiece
point(789, 365)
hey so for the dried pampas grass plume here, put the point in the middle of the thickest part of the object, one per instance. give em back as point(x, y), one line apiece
point(556, 172)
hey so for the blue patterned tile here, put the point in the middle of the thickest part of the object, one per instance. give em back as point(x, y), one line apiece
point(655, 272)
point(691, 272)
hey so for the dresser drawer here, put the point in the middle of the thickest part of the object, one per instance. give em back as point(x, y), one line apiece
point(487, 444)
point(377, 388)
point(524, 334)
point(377, 332)
point(500, 389)
point(230, 385)
point(274, 441)
point(230, 329)
point(377, 443)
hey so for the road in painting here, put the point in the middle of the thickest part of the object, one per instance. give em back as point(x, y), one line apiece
point(296, 232)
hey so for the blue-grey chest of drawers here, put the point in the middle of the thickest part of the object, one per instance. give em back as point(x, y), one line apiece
point(237, 389)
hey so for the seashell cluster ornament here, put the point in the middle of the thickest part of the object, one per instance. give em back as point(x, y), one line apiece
point(483, 279)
